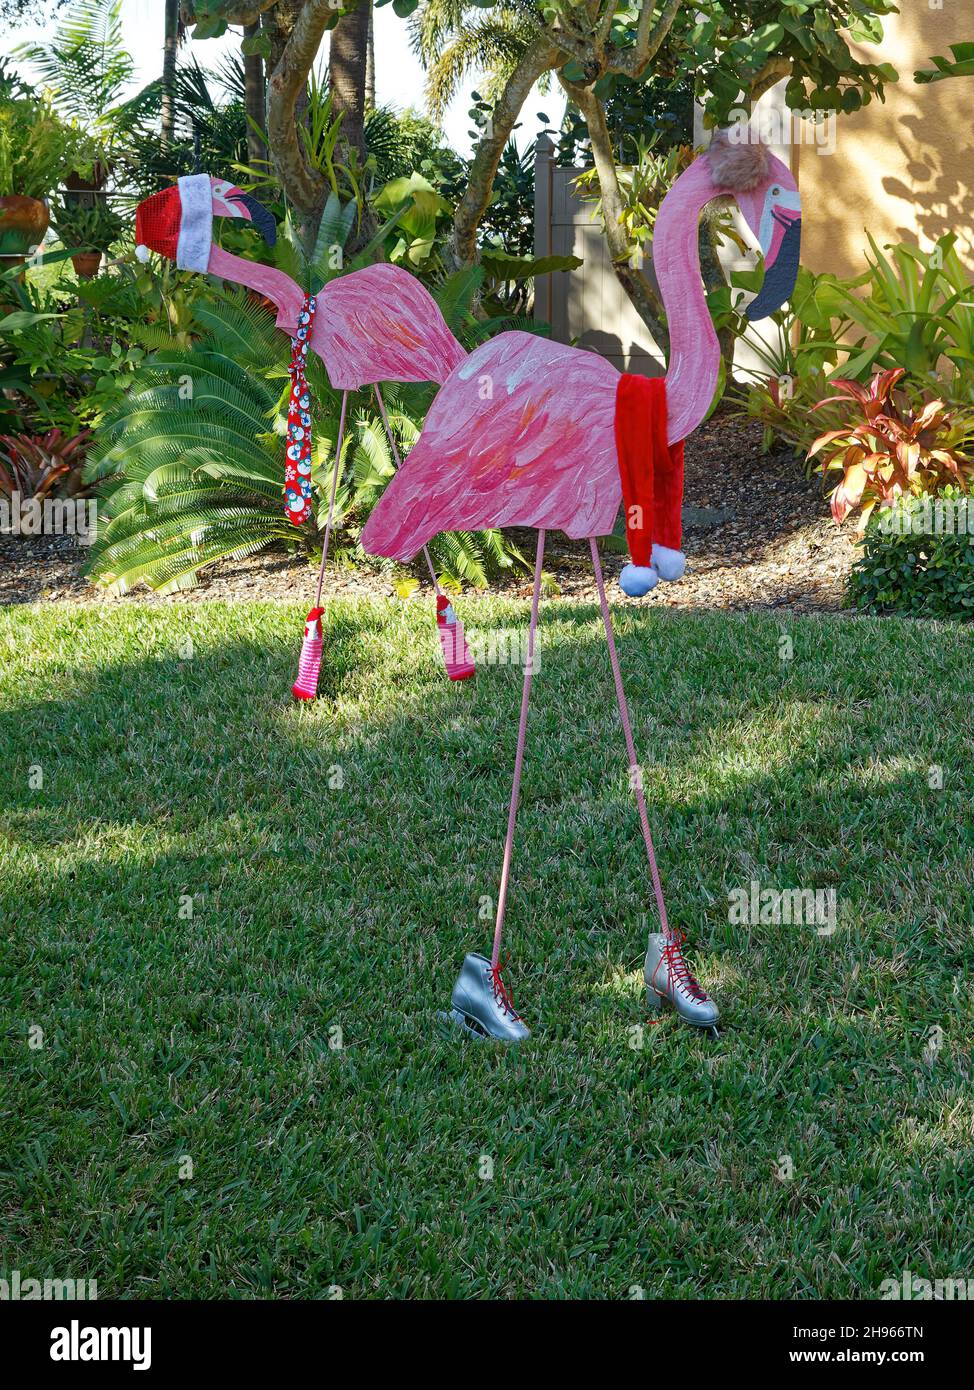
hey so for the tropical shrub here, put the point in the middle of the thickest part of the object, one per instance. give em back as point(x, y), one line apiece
point(960, 65)
point(917, 559)
point(85, 68)
point(891, 447)
point(405, 142)
point(910, 309)
point(35, 148)
point(70, 351)
point(917, 313)
point(189, 465)
point(94, 227)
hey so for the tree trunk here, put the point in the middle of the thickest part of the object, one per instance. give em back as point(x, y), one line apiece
point(170, 45)
point(370, 63)
point(255, 100)
point(634, 281)
point(278, 24)
point(538, 58)
point(296, 28)
point(347, 61)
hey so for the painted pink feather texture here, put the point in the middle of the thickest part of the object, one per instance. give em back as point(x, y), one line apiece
point(521, 434)
point(381, 324)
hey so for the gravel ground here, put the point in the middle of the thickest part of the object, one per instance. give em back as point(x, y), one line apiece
point(757, 534)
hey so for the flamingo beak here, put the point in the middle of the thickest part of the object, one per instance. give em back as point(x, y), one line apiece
point(781, 241)
point(230, 201)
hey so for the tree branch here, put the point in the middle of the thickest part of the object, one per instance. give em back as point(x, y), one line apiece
point(233, 11)
point(773, 71)
point(649, 41)
point(540, 56)
point(635, 283)
point(304, 186)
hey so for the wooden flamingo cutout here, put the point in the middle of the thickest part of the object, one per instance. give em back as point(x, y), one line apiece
point(374, 325)
point(526, 432)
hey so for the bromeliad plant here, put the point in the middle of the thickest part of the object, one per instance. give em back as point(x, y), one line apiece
point(896, 449)
point(918, 314)
point(37, 466)
point(911, 310)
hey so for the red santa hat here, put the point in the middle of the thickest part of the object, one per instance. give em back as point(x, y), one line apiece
point(178, 223)
point(651, 473)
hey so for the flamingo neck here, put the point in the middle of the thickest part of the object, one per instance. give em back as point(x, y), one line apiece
point(694, 363)
point(274, 284)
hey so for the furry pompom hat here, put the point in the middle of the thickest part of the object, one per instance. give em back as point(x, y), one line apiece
point(737, 166)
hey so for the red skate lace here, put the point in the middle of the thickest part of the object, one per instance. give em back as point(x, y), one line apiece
point(501, 993)
point(677, 970)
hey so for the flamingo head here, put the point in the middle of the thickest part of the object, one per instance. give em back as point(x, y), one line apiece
point(178, 222)
point(767, 195)
point(230, 201)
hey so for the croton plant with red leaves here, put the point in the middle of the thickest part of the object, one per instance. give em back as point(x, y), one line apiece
point(896, 448)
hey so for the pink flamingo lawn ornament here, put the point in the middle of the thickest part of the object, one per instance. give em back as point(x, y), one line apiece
point(363, 326)
point(526, 432)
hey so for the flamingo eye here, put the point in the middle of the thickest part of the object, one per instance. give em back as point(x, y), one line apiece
point(776, 192)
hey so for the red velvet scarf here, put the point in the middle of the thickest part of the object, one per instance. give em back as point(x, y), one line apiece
point(651, 470)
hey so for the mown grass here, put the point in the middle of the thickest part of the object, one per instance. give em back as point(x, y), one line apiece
point(329, 914)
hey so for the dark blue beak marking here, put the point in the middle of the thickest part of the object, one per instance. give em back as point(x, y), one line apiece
point(261, 218)
point(779, 281)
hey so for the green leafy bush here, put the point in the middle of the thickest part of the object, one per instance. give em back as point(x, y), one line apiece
point(35, 147)
point(917, 559)
point(88, 228)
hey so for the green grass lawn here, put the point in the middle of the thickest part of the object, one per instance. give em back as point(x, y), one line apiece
point(282, 1038)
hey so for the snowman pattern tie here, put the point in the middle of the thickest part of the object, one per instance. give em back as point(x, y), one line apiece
point(297, 469)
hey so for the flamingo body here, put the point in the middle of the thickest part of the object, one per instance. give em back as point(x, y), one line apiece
point(522, 433)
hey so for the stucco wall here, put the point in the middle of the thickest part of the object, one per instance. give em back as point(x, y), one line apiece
point(903, 169)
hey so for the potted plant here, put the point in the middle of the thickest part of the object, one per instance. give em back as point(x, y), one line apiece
point(32, 154)
point(87, 43)
point(90, 229)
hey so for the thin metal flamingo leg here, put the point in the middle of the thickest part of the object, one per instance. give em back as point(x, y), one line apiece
point(331, 504)
point(395, 454)
point(519, 757)
point(635, 774)
point(672, 956)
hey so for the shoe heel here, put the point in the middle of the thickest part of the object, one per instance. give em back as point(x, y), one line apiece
point(654, 1001)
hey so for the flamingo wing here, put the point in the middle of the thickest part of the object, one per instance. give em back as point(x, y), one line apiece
point(521, 434)
point(381, 324)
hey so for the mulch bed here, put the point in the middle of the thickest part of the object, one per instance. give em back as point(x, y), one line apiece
point(757, 534)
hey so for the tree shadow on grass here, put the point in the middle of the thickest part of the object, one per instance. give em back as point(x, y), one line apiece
point(380, 811)
point(340, 859)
